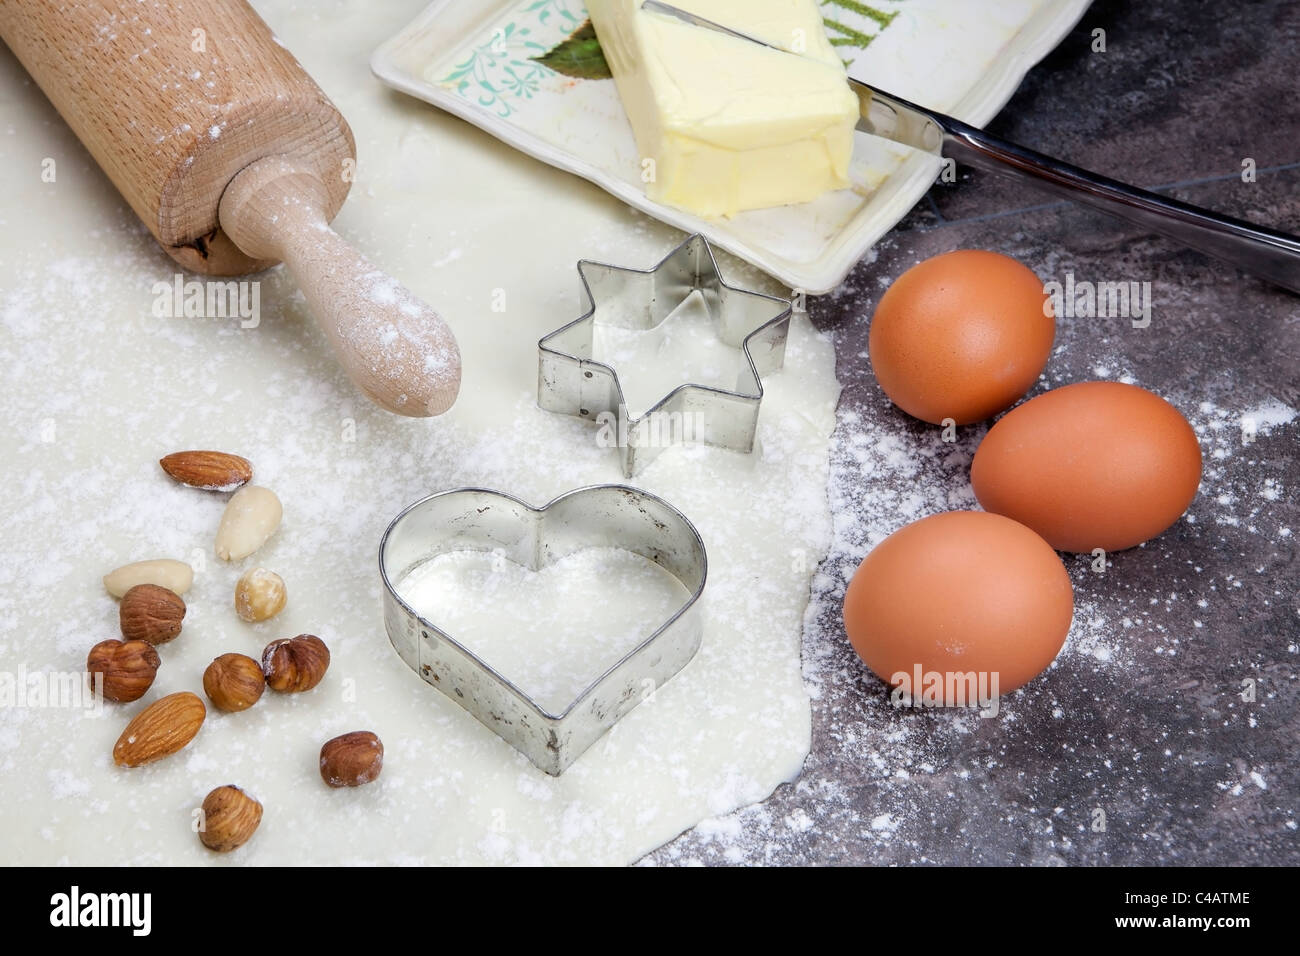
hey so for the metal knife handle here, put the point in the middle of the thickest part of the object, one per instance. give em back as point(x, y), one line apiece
point(1264, 252)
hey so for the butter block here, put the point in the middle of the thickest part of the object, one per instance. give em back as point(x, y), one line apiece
point(730, 125)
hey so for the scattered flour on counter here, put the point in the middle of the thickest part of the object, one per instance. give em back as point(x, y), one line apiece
point(888, 471)
point(884, 823)
point(1270, 415)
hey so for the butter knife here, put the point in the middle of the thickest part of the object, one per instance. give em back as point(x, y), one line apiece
point(1265, 252)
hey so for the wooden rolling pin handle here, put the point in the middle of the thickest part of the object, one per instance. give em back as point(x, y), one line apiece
point(395, 348)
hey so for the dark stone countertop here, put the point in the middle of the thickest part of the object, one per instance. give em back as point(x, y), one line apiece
point(1142, 716)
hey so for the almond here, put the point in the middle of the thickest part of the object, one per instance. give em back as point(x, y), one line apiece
point(127, 668)
point(175, 576)
point(208, 470)
point(160, 730)
point(251, 516)
point(230, 817)
point(150, 613)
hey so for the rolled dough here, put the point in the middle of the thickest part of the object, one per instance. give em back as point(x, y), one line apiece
point(99, 389)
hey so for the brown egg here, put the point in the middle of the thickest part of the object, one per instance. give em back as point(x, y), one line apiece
point(958, 593)
point(962, 336)
point(1093, 465)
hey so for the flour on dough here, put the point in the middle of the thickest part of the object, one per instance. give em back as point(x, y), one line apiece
point(99, 389)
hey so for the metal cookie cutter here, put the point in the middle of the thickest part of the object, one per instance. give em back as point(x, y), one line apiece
point(599, 516)
point(570, 381)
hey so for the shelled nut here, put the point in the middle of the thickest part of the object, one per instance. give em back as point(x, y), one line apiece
point(233, 682)
point(296, 664)
point(259, 595)
point(150, 612)
point(160, 730)
point(352, 759)
point(175, 576)
point(230, 817)
point(208, 470)
point(127, 668)
point(251, 516)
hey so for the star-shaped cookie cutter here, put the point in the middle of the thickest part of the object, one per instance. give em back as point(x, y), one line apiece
point(571, 381)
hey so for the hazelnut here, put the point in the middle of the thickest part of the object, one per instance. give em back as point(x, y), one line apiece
point(295, 664)
point(150, 612)
point(233, 682)
point(230, 817)
point(128, 668)
point(352, 759)
point(259, 595)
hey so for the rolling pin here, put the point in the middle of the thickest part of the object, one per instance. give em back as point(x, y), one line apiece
point(235, 160)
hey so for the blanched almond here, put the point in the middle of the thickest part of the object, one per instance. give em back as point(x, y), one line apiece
point(251, 516)
point(175, 576)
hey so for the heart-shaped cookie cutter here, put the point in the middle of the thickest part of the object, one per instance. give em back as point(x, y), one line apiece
point(598, 516)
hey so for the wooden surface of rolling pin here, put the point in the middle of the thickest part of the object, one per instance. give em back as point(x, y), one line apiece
point(175, 99)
